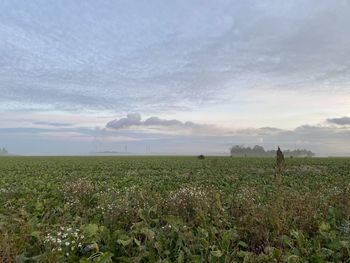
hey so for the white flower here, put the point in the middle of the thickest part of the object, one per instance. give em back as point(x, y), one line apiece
point(67, 243)
point(59, 249)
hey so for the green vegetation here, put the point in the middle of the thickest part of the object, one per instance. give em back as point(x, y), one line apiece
point(173, 209)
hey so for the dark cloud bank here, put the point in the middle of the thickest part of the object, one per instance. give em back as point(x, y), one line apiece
point(340, 121)
point(134, 120)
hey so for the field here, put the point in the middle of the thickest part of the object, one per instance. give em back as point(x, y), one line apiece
point(173, 209)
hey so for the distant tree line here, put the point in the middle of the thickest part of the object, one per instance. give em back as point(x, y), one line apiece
point(3, 151)
point(259, 151)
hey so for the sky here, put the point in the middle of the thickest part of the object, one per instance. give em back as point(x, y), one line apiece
point(174, 77)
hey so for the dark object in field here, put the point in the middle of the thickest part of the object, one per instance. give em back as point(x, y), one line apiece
point(280, 161)
point(201, 157)
point(189, 175)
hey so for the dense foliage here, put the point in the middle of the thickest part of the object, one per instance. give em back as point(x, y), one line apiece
point(173, 209)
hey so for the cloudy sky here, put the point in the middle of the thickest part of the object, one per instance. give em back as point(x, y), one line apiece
point(174, 77)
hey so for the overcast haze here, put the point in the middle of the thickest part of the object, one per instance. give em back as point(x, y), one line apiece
point(174, 77)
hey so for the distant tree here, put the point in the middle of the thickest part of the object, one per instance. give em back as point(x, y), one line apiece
point(237, 151)
point(259, 151)
point(201, 157)
point(3, 151)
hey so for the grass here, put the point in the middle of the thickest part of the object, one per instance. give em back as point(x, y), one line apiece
point(173, 209)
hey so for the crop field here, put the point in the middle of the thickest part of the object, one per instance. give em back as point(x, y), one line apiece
point(173, 209)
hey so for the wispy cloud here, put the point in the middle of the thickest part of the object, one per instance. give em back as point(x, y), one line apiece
point(176, 56)
point(53, 124)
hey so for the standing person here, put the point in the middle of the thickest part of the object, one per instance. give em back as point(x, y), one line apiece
point(280, 160)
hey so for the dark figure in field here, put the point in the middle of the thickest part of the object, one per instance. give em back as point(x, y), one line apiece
point(280, 161)
point(201, 157)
